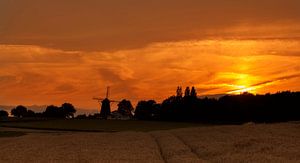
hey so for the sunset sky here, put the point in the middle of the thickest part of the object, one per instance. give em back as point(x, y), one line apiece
point(55, 51)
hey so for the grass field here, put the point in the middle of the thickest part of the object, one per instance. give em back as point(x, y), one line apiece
point(99, 125)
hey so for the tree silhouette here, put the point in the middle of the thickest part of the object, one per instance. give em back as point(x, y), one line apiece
point(278, 107)
point(193, 92)
point(179, 92)
point(30, 113)
point(172, 108)
point(53, 112)
point(3, 114)
point(187, 92)
point(20, 111)
point(68, 110)
point(147, 110)
point(125, 108)
point(232, 109)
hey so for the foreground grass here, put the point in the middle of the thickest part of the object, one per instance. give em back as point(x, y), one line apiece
point(99, 125)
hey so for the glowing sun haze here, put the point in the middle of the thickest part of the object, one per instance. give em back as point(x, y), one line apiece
point(55, 51)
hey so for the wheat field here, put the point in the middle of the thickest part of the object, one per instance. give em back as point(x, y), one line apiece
point(240, 143)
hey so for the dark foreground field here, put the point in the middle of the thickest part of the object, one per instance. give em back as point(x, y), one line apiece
point(231, 143)
point(99, 125)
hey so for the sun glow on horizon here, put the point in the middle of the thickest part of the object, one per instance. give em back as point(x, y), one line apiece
point(242, 89)
point(214, 67)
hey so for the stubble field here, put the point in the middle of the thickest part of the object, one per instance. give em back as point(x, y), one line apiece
point(232, 143)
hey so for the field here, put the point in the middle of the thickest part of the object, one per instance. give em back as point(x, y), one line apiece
point(99, 125)
point(11, 133)
point(182, 142)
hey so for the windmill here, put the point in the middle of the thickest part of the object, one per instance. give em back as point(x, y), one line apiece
point(105, 104)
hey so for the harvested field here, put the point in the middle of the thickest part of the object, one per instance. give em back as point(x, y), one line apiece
point(247, 143)
point(244, 143)
point(80, 147)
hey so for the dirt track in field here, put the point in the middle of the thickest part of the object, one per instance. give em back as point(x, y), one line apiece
point(246, 143)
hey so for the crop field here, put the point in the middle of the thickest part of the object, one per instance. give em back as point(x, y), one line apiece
point(227, 143)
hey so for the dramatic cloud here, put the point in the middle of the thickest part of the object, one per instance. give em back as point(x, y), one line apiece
point(54, 51)
point(106, 25)
point(36, 75)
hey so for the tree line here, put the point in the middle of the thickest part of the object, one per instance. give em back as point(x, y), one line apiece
point(246, 107)
point(66, 110)
point(187, 106)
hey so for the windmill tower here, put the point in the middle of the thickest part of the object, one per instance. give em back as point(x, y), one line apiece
point(105, 104)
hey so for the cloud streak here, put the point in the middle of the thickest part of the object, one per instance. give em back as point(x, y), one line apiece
point(36, 75)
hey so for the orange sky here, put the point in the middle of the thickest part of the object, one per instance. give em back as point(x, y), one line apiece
point(60, 51)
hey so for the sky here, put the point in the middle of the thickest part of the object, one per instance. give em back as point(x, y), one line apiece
point(56, 51)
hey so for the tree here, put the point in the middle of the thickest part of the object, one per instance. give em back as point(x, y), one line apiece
point(179, 92)
point(125, 108)
point(65, 111)
point(193, 92)
point(3, 114)
point(171, 108)
point(20, 111)
point(30, 113)
point(53, 112)
point(187, 92)
point(147, 110)
point(68, 110)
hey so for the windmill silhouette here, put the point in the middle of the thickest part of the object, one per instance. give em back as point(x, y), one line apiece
point(105, 104)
